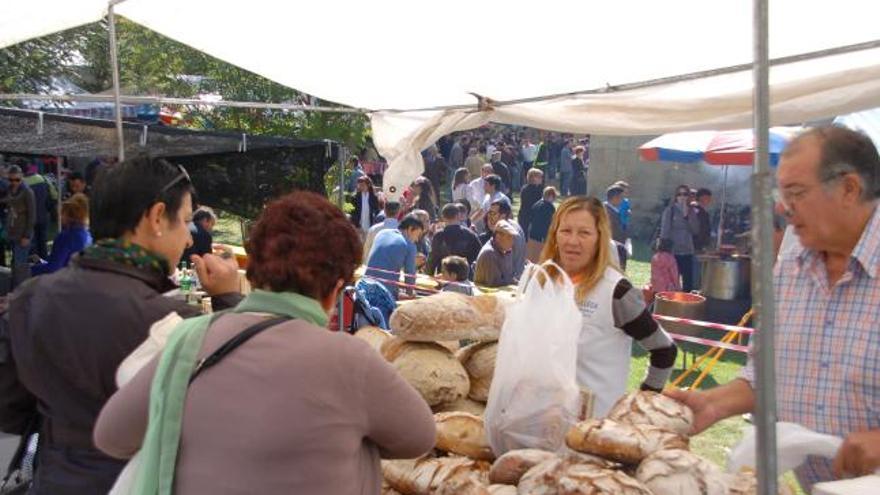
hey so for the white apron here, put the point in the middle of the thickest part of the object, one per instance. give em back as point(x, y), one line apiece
point(604, 351)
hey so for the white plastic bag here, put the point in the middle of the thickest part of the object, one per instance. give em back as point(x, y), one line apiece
point(793, 444)
point(534, 398)
point(155, 343)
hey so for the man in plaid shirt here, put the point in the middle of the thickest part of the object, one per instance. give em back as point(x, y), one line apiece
point(827, 292)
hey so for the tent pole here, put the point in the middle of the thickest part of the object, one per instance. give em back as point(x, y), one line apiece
point(762, 262)
point(114, 66)
point(340, 311)
point(723, 206)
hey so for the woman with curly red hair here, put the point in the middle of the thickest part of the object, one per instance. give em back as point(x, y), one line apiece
point(294, 409)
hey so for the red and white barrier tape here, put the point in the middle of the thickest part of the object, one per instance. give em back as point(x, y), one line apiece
point(710, 343)
point(706, 324)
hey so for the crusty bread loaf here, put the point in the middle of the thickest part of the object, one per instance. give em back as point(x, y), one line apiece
point(388, 490)
point(576, 457)
point(512, 465)
point(672, 472)
point(449, 316)
point(465, 404)
point(463, 434)
point(621, 442)
point(502, 490)
point(557, 476)
point(479, 362)
point(425, 475)
point(374, 336)
point(651, 408)
point(429, 368)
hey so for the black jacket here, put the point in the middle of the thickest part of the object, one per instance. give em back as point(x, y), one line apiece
point(69, 331)
point(542, 216)
point(356, 214)
point(530, 194)
point(453, 240)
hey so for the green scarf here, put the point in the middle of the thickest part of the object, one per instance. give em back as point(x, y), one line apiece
point(170, 383)
point(128, 253)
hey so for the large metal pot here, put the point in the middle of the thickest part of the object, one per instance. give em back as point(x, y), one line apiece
point(682, 305)
point(724, 278)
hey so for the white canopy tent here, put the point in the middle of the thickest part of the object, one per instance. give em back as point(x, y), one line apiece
point(622, 67)
point(396, 55)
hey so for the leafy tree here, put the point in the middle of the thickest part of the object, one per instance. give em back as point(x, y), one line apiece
point(152, 64)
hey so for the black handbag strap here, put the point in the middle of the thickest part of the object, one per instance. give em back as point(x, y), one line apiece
point(231, 344)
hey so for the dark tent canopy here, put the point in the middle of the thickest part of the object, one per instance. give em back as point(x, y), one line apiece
point(225, 176)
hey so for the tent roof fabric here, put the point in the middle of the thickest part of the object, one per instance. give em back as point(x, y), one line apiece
point(411, 55)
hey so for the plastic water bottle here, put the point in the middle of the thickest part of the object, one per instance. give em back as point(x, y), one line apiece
point(185, 281)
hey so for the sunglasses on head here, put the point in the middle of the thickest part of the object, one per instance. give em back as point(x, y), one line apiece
point(183, 175)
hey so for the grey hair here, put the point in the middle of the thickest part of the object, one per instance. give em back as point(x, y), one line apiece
point(845, 151)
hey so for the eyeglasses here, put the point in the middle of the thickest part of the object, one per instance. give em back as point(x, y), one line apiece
point(682, 194)
point(183, 175)
point(788, 198)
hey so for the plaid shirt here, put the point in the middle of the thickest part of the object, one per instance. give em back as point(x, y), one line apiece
point(828, 345)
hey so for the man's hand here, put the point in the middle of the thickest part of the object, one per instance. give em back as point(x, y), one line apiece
point(24, 242)
point(217, 275)
point(705, 412)
point(859, 455)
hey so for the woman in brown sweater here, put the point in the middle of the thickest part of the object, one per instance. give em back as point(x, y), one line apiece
point(295, 409)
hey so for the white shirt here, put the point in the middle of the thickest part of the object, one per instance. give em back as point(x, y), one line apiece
point(530, 152)
point(462, 191)
point(488, 200)
point(478, 192)
point(365, 212)
point(604, 351)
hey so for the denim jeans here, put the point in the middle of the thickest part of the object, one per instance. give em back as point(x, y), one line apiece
point(565, 183)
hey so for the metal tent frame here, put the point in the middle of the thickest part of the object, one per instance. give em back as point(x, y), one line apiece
point(765, 413)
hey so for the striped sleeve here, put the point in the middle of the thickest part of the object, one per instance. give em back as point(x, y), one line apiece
point(631, 315)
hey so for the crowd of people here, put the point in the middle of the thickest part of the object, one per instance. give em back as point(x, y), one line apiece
point(115, 376)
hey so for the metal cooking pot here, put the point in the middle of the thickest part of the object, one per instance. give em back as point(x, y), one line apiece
point(728, 279)
point(682, 305)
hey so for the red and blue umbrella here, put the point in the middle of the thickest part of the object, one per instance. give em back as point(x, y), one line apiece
point(715, 147)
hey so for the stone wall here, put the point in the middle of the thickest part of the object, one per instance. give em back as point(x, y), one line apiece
point(653, 183)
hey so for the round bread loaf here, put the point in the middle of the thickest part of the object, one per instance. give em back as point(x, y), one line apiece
point(465, 404)
point(449, 316)
point(463, 434)
point(479, 362)
point(651, 408)
point(425, 475)
point(429, 368)
point(374, 336)
point(510, 467)
point(628, 444)
point(557, 476)
point(502, 490)
point(672, 472)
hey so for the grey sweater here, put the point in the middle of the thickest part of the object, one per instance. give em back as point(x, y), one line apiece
point(296, 409)
point(680, 228)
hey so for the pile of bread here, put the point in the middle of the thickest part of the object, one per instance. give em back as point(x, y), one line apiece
point(425, 348)
point(641, 448)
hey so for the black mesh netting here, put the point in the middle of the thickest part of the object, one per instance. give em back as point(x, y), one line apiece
point(239, 182)
point(242, 183)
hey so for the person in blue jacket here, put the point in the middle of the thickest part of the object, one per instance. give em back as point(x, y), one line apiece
point(73, 238)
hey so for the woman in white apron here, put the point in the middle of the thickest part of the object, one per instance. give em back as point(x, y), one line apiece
point(613, 311)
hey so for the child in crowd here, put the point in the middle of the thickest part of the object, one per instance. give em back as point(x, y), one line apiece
point(454, 270)
point(664, 270)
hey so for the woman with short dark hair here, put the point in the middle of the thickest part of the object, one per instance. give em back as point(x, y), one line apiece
point(294, 409)
point(75, 326)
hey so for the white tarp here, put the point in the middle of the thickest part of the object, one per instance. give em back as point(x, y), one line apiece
point(867, 122)
point(408, 55)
